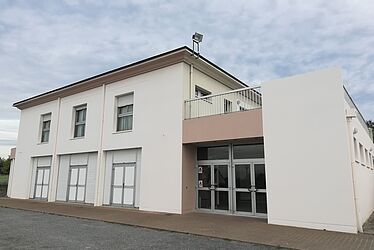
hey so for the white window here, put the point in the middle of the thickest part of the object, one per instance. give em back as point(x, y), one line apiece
point(80, 121)
point(367, 158)
point(125, 112)
point(227, 106)
point(362, 158)
point(200, 92)
point(45, 128)
point(355, 145)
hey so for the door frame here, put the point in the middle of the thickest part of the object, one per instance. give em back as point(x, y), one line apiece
point(212, 189)
point(231, 162)
point(123, 165)
point(76, 191)
point(251, 163)
point(36, 181)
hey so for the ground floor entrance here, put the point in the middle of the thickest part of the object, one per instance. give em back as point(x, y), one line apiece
point(231, 179)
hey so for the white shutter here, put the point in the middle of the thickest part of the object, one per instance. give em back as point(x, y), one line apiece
point(91, 178)
point(108, 177)
point(62, 182)
point(46, 117)
point(125, 100)
point(33, 177)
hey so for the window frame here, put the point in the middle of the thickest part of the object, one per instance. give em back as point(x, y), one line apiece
point(119, 115)
point(42, 130)
point(76, 123)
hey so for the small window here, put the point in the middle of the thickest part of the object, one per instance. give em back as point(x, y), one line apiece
point(362, 158)
point(125, 112)
point(367, 163)
point(200, 92)
point(227, 106)
point(80, 121)
point(45, 127)
point(356, 150)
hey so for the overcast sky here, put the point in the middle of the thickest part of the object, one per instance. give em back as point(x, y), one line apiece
point(47, 44)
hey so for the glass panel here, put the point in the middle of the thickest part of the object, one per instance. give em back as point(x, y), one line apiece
point(82, 176)
point(39, 179)
point(120, 123)
point(118, 176)
point(249, 151)
point(129, 176)
point(128, 122)
point(221, 178)
point(80, 115)
point(72, 193)
point(260, 180)
point(213, 153)
point(46, 176)
point(243, 176)
point(46, 125)
point(117, 195)
point(261, 206)
point(128, 196)
point(80, 193)
point(243, 201)
point(45, 191)
point(204, 176)
point(204, 200)
point(79, 130)
point(38, 191)
point(45, 136)
point(73, 176)
point(221, 200)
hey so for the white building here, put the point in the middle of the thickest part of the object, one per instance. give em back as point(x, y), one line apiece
point(175, 133)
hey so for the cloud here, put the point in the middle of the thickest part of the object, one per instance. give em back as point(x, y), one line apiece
point(47, 44)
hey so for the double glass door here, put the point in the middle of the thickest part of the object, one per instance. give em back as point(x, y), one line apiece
point(238, 188)
point(213, 186)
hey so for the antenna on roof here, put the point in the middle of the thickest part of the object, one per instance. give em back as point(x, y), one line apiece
point(197, 38)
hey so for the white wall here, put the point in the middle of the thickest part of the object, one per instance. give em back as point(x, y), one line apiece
point(363, 168)
point(157, 130)
point(308, 170)
point(28, 145)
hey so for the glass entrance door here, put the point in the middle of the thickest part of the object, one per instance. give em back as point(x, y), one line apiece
point(250, 188)
point(213, 187)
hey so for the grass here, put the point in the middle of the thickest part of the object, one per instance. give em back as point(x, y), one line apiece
point(3, 179)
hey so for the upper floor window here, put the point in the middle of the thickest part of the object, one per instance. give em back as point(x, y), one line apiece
point(80, 121)
point(125, 112)
point(227, 106)
point(200, 92)
point(45, 127)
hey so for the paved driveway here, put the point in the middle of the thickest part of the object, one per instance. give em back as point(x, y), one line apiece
point(31, 230)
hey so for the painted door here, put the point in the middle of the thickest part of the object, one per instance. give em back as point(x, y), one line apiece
point(123, 184)
point(77, 183)
point(42, 183)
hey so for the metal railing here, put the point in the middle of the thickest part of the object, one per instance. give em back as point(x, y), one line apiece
point(223, 103)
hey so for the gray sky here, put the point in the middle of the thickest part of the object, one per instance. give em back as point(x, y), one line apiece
point(48, 44)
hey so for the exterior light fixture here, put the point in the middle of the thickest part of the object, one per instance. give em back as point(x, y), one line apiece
point(197, 38)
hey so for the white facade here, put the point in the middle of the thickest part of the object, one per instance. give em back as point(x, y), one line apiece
point(315, 177)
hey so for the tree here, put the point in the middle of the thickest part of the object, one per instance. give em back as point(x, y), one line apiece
point(4, 166)
point(370, 124)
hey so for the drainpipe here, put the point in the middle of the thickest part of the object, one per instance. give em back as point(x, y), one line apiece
point(351, 132)
point(100, 164)
point(54, 168)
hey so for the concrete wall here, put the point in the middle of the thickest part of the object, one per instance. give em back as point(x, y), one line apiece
point(363, 167)
point(307, 154)
point(189, 178)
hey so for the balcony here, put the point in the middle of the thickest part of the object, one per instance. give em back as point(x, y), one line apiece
point(232, 101)
point(232, 115)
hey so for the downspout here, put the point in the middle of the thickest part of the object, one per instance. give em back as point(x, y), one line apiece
point(100, 164)
point(351, 132)
point(53, 191)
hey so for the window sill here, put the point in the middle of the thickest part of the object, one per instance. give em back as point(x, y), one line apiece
point(77, 138)
point(42, 143)
point(122, 132)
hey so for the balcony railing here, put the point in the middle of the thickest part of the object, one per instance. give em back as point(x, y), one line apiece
point(223, 103)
